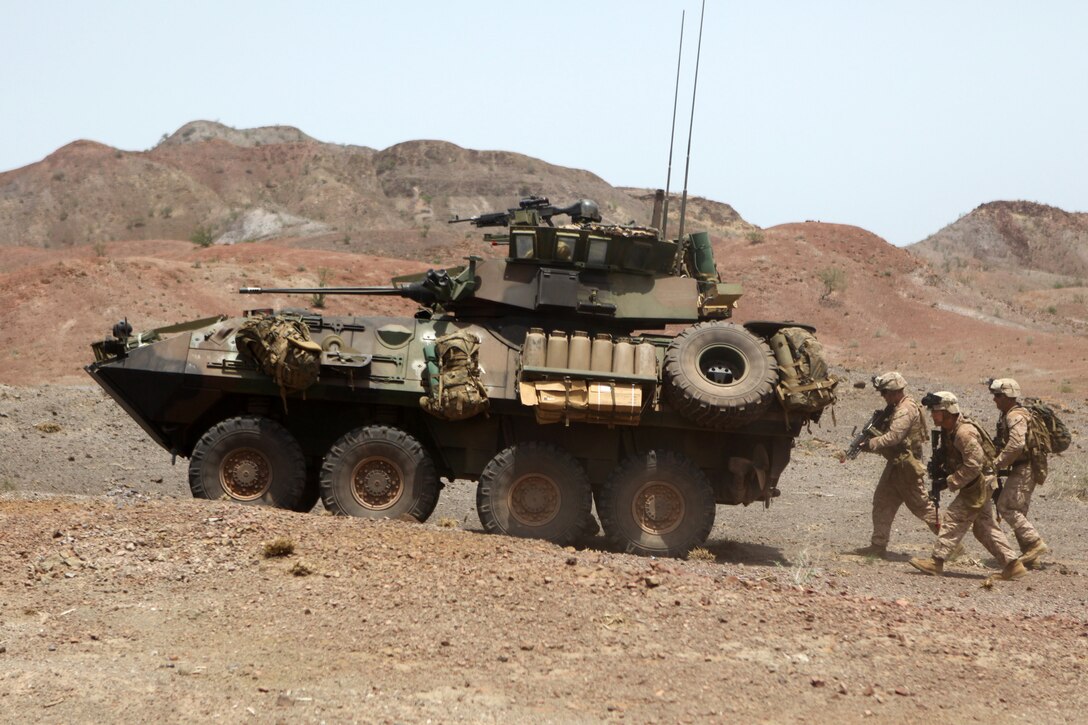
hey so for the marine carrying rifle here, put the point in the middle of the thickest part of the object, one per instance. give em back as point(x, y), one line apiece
point(871, 429)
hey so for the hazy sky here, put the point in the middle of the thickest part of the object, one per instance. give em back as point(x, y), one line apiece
point(894, 116)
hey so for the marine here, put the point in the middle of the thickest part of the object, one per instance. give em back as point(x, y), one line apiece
point(971, 477)
point(903, 479)
point(1015, 458)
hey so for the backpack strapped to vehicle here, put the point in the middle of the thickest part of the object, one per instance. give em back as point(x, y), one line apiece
point(456, 392)
point(281, 347)
point(805, 385)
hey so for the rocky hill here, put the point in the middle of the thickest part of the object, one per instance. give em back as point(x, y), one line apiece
point(1029, 257)
point(211, 183)
point(1016, 234)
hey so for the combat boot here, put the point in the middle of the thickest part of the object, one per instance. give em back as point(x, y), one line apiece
point(932, 566)
point(1033, 552)
point(871, 550)
point(1013, 570)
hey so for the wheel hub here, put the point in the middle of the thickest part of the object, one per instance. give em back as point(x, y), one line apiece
point(377, 483)
point(658, 507)
point(722, 365)
point(245, 474)
point(534, 499)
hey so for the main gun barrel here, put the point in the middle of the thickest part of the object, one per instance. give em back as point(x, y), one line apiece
point(378, 291)
point(416, 292)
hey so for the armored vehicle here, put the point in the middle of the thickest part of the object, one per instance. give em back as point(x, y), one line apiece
point(593, 363)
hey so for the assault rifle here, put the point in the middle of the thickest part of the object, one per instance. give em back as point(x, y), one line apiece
point(871, 429)
point(938, 472)
point(532, 210)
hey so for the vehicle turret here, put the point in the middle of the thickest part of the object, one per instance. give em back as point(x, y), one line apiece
point(623, 277)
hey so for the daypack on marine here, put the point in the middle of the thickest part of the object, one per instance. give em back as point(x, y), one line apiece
point(454, 390)
point(989, 448)
point(1051, 433)
point(281, 348)
point(805, 385)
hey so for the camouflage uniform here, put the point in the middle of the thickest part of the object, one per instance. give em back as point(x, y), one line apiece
point(973, 479)
point(1015, 498)
point(903, 478)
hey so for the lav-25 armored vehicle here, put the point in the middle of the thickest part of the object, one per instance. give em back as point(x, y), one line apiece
point(547, 376)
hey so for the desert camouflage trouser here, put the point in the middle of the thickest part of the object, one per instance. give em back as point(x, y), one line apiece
point(900, 483)
point(1013, 505)
point(973, 509)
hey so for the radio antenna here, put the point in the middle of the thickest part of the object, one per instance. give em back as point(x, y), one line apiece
point(691, 124)
point(672, 131)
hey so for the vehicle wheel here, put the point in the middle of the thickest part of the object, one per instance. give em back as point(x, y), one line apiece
point(657, 503)
point(379, 472)
point(536, 491)
point(312, 492)
point(249, 459)
point(719, 374)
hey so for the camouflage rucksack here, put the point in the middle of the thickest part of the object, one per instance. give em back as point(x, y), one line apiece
point(281, 348)
point(1051, 434)
point(456, 392)
point(989, 448)
point(805, 385)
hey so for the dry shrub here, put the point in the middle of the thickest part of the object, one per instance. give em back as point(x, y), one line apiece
point(49, 427)
point(301, 569)
point(1069, 483)
point(447, 522)
point(278, 547)
point(701, 554)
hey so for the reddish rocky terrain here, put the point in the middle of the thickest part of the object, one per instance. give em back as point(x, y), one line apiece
point(124, 599)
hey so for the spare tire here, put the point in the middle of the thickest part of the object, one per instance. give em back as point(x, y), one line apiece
point(719, 375)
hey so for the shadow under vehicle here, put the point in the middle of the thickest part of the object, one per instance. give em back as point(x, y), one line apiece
point(594, 363)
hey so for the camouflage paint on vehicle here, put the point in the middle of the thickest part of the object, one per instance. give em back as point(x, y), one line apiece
point(579, 391)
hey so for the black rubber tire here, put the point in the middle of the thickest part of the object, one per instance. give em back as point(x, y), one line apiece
point(660, 480)
point(249, 459)
point(312, 494)
point(401, 475)
point(745, 362)
point(539, 481)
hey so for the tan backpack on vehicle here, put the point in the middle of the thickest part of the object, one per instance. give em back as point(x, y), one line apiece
point(280, 346)
point(457, 393)
point(805, 385)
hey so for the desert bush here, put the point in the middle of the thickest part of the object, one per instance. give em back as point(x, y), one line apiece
point(833, 279)
point(755, 236)
point(701, 554)
point(280, 546)
point(202, 237)
point(1070, 482)
point(301, 569)
point(323, 276)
